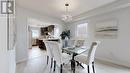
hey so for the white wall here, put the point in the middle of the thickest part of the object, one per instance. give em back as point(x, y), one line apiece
point(112, 50)
point(3, 46)
point(7, 57)
point(22, 16)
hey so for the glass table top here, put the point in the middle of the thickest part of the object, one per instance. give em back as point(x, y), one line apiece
point(77, 50)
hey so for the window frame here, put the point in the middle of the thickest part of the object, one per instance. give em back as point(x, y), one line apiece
point(38, 33)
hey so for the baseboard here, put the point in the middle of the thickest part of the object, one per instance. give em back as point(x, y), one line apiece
point(111, 62)
point(20, 61)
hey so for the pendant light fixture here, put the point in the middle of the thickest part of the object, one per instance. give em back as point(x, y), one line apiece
point(67, 17)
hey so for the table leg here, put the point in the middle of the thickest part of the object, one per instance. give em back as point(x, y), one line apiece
point(79, 64)
point(73, 63)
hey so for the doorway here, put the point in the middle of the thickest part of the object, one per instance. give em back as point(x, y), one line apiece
point(38, 32)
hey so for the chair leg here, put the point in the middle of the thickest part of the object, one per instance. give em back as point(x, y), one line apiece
point(88, 69)
point(51, 62)
point(61, 68)
point(47, 59)
point(54, 65)
point(93, 67)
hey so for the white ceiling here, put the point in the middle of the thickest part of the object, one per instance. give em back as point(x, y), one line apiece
point(55, 8)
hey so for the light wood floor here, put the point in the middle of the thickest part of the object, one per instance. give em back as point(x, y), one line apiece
point(37, 64)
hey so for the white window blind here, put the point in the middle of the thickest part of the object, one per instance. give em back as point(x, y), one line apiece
point(82, 30)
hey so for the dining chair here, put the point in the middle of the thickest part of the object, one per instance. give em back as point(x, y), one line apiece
point(76, 42)
point(89, 60)
point(59, 57)
point(79, 43)
point(49, 52)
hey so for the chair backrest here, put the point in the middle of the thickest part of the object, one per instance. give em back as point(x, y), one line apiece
point(48, 48)
point(79, 43)
point(56, 52)
point(92, 51)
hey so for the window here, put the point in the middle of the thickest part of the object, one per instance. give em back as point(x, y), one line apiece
point(56, 32)
point(82, 30)
point(35, 33)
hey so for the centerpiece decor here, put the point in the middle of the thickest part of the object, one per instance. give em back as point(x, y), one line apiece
point(65, 35)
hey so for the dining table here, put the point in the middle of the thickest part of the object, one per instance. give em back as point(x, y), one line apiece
point(74, 51)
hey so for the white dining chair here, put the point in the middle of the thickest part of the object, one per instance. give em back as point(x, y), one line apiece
point(49, 53)
point(79, 43)
point(59, 57)
point(76, 42)
point(89, 59)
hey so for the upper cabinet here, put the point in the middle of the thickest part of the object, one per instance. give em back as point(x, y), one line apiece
point(47, 31)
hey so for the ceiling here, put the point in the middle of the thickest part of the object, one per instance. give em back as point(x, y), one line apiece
point(56, 8)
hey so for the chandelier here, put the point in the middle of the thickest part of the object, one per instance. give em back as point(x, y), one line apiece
point(66, 17)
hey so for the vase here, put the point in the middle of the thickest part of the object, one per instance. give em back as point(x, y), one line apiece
point(65, 42)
